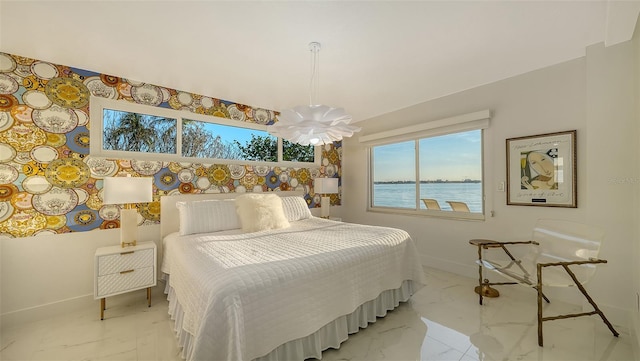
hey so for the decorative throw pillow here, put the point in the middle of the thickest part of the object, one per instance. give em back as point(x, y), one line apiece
point(259, 212)
point(295, 208)
point(207, 216)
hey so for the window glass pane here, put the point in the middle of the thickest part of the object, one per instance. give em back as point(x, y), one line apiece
point(292, 152)
point(451, 169)
point(394, 175)
point(205, 140)
point(261, 147)
point(209, 140)
point(136, 132)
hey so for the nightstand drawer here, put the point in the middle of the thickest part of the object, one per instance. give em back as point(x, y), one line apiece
point(127, 280)
point(124, 261)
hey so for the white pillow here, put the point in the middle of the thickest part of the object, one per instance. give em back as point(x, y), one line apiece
point(295, 208)
point(259, 212)
point(207, 216)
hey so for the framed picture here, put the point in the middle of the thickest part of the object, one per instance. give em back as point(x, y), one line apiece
point(541, 170)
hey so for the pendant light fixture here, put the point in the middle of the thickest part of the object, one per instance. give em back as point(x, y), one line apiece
point(314, 124)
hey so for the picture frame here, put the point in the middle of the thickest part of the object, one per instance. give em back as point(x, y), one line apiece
point(541, 170)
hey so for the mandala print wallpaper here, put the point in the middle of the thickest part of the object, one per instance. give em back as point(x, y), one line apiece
point(50, 184)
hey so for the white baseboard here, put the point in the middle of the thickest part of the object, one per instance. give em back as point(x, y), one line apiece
point(634, 331)
point(53, 309)
point(31, 314)
point(465, 270)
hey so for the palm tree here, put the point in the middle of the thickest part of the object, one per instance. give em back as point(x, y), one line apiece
point(138, 132)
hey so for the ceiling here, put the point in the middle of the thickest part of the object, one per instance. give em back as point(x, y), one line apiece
point(376, 57)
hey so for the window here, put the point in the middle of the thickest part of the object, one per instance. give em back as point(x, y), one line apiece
point(439, 166)
point(202, 139)
point(451, 169)
point(394, 175)
point(135, 132)
point(129, 130)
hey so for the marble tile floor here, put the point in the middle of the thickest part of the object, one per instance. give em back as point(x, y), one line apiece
point(443, 321)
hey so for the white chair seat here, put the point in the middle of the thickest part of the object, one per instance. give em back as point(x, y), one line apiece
point(553, 276)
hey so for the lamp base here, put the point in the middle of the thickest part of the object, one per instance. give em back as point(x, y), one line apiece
point(325, 205)
point(128, 244)
point(128, 227)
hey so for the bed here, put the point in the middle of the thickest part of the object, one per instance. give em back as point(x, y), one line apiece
point(278, 294)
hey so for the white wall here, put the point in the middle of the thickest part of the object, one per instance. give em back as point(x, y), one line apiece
point(636, 249)
point(44, 275)
point(612, 133)
point(590, 94)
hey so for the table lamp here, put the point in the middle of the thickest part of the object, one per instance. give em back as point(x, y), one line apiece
point(127, 191)
point(324, 187)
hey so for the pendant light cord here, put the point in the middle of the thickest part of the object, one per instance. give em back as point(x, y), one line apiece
point(315, 124)
point(314, 86)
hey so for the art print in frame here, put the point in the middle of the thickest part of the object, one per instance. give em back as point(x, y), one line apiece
point(541, 170)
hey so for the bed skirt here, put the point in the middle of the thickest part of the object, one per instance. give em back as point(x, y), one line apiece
point(329, 336)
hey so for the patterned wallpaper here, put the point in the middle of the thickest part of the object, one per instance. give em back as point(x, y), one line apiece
point(50, 184)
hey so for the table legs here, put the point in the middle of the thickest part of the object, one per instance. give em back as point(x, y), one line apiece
point(103, 306)
point(103, 303)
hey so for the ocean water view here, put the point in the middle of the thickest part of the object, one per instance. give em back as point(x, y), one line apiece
point(402, 195)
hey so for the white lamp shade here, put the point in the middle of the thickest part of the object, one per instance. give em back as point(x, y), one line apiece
point(125, 190)
point(326, 185)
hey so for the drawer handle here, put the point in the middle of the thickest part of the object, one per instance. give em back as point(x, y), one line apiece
point(123, 253)
point(128, 271)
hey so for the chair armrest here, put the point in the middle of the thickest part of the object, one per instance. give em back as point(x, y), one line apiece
point(492, 243)
point(481, 242)
point(569, 263)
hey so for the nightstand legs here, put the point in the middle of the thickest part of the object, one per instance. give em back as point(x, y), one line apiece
point(103, 306)
point(103, 303)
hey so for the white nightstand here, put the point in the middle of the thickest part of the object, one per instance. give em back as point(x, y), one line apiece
point(120, 270)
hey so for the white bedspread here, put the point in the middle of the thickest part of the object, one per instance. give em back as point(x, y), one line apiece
point(244, 295)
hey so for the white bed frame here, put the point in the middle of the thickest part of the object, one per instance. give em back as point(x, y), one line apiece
point(170, 218)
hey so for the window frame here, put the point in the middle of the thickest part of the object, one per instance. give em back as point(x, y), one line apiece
point(460, 124)
point(96, 133)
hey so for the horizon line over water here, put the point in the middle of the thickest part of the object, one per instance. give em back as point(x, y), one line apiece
point(428, 181)
point(403, 195)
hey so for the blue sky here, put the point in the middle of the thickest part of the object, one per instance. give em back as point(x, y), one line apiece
point(450, 157)
point(229, 133)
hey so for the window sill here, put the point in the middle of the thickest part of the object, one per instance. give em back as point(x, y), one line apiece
point(429, 213)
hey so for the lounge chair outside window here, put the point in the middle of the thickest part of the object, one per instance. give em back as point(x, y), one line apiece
point(459, 206)
point(431, 203)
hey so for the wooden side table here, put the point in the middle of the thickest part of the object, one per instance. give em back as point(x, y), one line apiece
point(120, 270)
